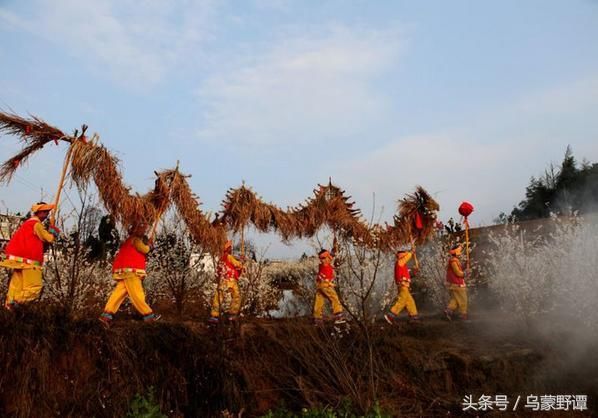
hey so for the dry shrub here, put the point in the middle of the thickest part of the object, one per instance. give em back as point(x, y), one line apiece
point(54, 365)
point(415, 371)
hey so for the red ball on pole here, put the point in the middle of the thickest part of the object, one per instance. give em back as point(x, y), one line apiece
point(465, 209)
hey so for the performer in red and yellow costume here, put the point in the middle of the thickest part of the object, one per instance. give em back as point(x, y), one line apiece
point(24, 255)
point(325, 288)
point(128, 269)
point(455, 277)
point(229, 271)
point(403, 281)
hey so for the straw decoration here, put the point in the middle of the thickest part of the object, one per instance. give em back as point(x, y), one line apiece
point(329, 206)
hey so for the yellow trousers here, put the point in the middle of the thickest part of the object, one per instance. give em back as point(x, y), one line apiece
point(226, 286)
point(25, 285)
point(129, 284)
point(458, 299)
point(325, 290)
point(404, 300)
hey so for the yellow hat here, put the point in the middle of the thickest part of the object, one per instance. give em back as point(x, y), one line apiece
point(41, 206)
point(324, 254)
point(456, 249)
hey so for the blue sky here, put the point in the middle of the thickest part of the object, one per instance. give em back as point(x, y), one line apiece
point(468, 99)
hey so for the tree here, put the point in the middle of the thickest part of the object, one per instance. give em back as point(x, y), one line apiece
point(176, 269)
point(559, 191)
point(72, 278)
point(568, 175)
point(588, 197)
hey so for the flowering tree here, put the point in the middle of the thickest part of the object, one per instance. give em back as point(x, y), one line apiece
point(365, 279)
point(176, 266)
point(71, 278)
point(548, 273)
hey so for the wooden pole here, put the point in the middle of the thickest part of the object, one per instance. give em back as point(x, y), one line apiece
point(243, 241)
point(466, 222)
point(65, 166)
point(413, 249)
point(334, 243)
point(156, 222)
point(162, 208)
point(155, 225)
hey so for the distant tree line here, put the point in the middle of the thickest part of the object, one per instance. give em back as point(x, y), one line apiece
point(563, 190)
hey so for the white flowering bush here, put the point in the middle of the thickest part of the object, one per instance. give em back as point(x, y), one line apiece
point(576, 275)
point(73, 276)
point(537, 273)
point(298, 285)
point(259, 294)
point(365, 280)
point(177, 270)
point(73, 280)
point(431, 279)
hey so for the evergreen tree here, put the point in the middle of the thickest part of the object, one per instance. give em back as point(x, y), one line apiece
point(561, 191)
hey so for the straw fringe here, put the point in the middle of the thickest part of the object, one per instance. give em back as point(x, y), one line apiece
point(329, 206)
point(33, 132)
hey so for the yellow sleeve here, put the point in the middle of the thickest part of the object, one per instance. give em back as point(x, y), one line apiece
point(457, 269)
point(141, 246)
point(42, 234)
point(405, 258)
point(231, 259)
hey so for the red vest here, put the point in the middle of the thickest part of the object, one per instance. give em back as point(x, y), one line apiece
point(128, 257)
point(24, 243)
point(451, 277)
point(227, 269)
point(326, 272)
point(402, 273)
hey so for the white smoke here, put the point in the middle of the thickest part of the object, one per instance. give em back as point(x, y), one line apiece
point(540, 275)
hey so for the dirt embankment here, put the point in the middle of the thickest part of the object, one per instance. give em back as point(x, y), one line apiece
point(55, 365)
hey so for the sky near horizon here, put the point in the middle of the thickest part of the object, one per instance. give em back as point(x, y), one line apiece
point(468, 99)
